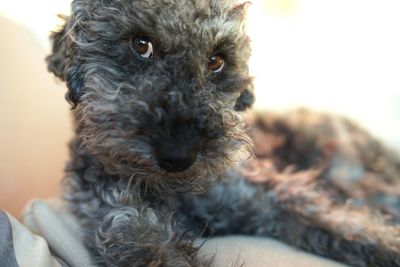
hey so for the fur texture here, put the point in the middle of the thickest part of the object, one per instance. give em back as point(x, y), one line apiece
point(127, 108)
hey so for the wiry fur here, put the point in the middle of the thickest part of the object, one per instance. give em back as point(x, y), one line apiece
point(133, 212)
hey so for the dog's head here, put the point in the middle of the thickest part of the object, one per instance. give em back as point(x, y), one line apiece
point(158, 87)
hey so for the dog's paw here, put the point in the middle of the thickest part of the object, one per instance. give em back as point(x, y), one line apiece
point(132, 237)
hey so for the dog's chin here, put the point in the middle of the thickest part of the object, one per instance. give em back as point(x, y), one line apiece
point(197, 178)
point(199, 170)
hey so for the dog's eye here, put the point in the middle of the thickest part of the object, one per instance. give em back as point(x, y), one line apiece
point(143, 46)
point(216, 63)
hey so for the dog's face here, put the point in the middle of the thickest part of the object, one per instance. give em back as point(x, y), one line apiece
point(158, 87)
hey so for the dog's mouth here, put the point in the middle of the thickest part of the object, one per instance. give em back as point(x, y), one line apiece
point(196, 172)
point(183, 154)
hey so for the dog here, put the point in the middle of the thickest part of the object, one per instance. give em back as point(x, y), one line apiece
point(159, 91)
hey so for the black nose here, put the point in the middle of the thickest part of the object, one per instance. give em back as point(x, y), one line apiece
point(174, 158)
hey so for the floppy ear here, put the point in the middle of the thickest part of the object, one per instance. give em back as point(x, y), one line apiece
point(56, 60)
point(245, 100)
point(61, 64)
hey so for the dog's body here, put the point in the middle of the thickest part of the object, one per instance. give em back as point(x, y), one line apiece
point(158, 89)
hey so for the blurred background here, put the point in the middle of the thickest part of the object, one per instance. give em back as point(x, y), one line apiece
point(341, 56)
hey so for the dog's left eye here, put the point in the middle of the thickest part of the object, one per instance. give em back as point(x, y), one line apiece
point(216, 63)
point(143, 46)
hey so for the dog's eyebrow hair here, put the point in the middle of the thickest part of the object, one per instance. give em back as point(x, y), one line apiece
point(221, 43)
point(225, 48)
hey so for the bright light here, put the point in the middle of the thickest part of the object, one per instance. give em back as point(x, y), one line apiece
point(40, 16)
point(338, 55)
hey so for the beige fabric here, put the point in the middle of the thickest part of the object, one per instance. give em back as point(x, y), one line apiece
point(60, 229)
point(260, 252)
point(30, 249)
point(52, 221)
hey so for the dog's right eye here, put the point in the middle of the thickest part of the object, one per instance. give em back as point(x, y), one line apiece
point(216, 63)
point(142, 46)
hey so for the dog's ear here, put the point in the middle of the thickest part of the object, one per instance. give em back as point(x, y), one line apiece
point(245, 100)
point(60, 61)
point(57, 59)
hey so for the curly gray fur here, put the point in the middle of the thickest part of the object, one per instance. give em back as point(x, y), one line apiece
point(135, 213)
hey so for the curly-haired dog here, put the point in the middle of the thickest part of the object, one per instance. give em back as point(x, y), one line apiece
point(158, 89)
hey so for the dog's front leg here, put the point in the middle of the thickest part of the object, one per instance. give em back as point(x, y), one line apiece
point(141, 237)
